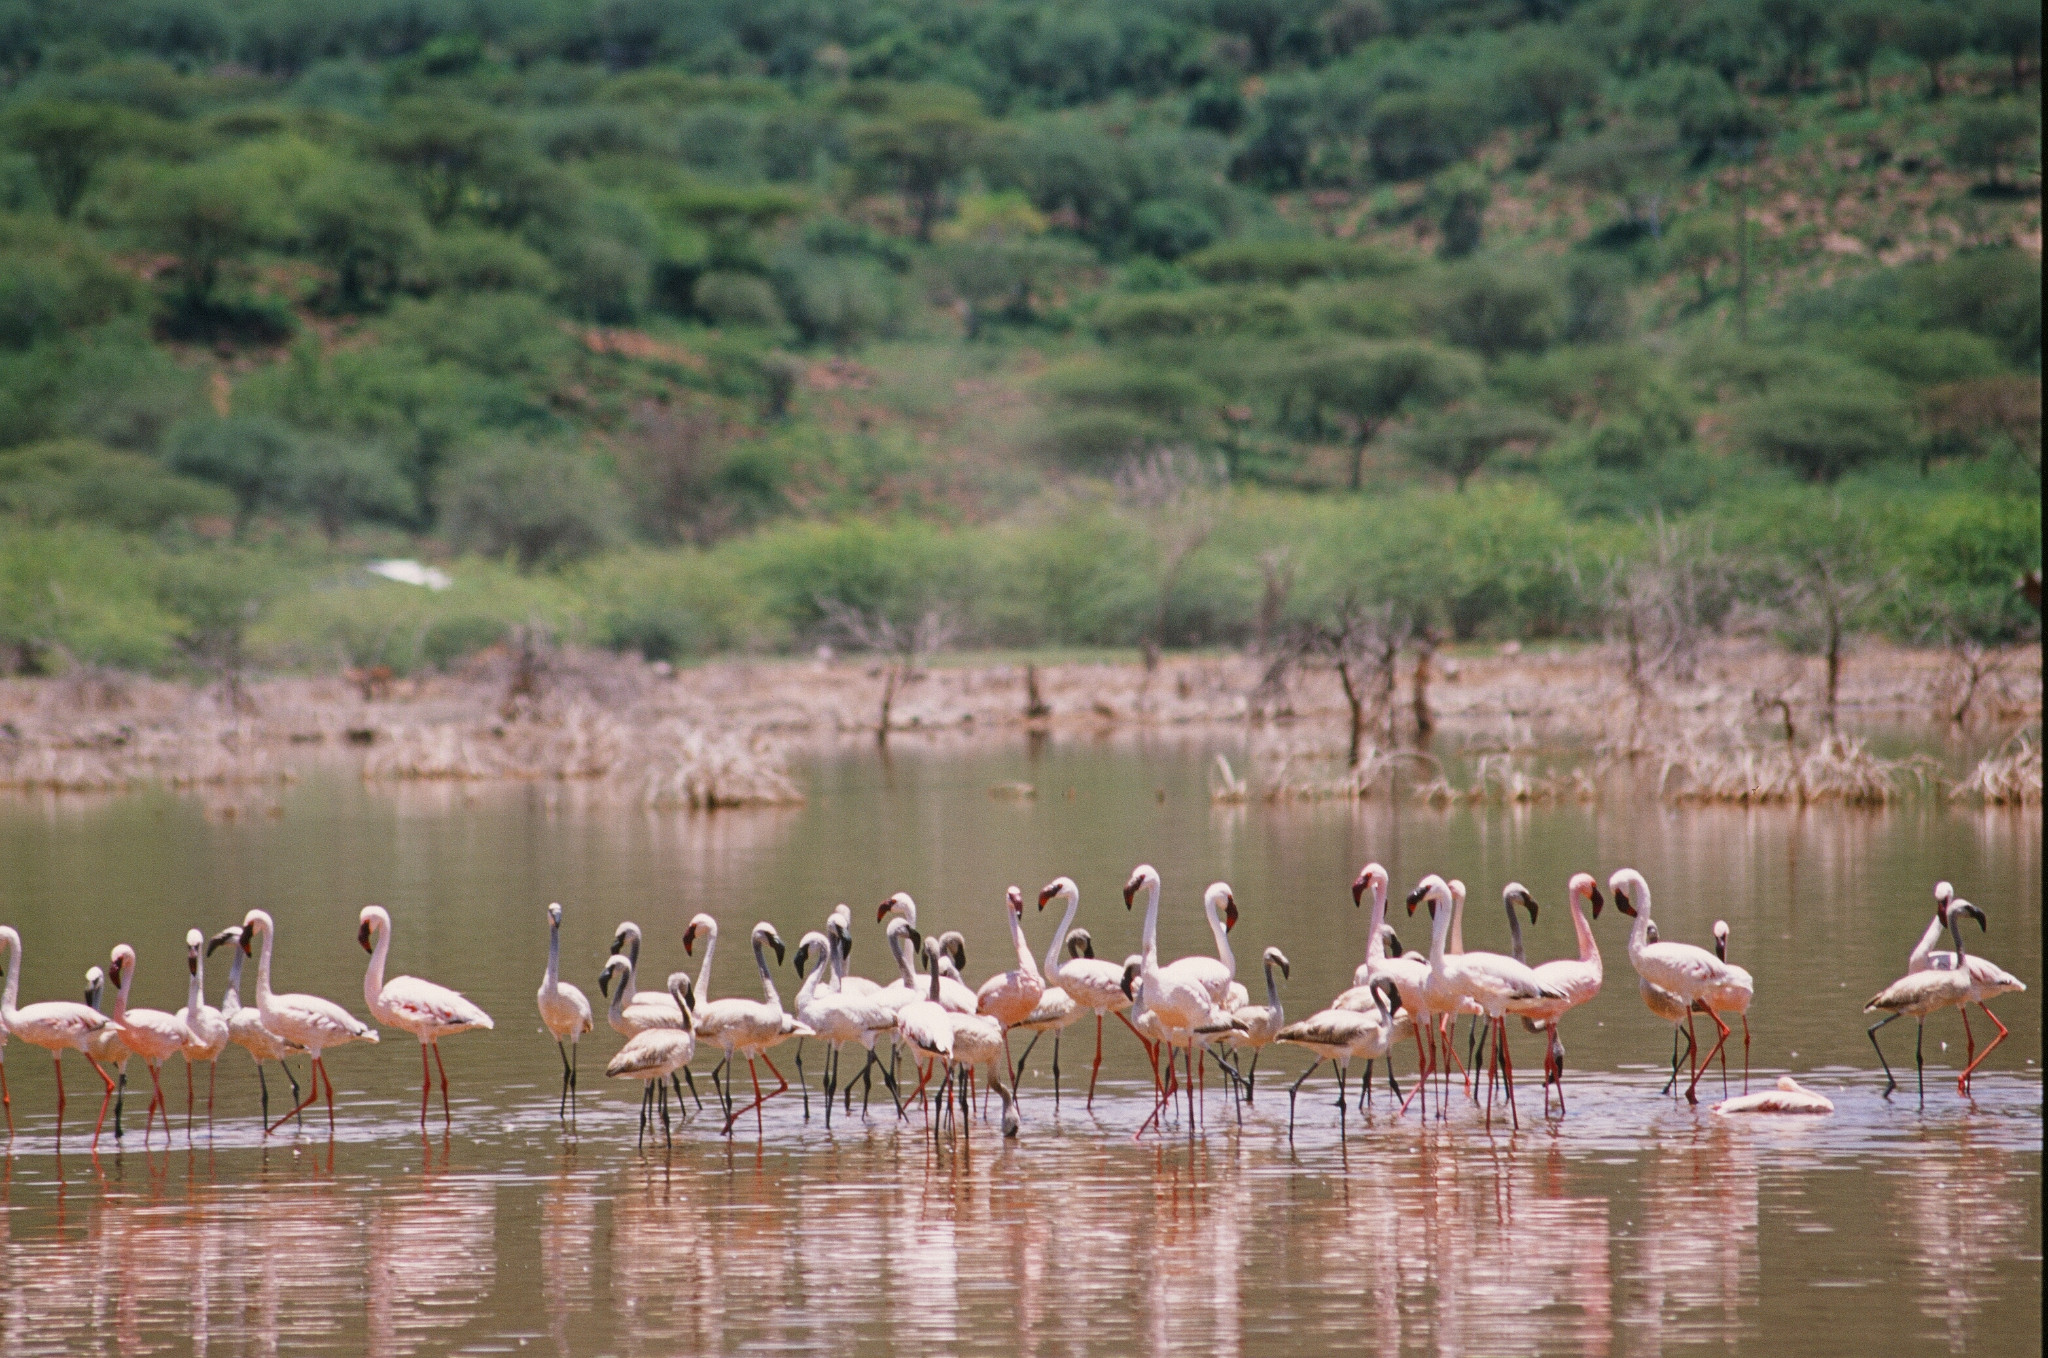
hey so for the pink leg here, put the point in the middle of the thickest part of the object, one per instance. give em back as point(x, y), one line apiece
point(6, 1100)
point(1964, 1080)
point(330, 1097)
point(312, 1093)
point(1507, 1068)
point(1690, 1095)
point(444, 1082)
point(426, 1083)
point(1093, 1072)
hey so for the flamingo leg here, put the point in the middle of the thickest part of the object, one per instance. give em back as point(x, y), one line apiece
point(443, 1071)
point(1365, 1085)
point(1919, 1064)
point(800, 1084)
point(1251, 1078)
point(263, 1085)
point(426, 1083)
point(691, 1081)
point(667, 1138)
point(1295, 1089)
point(1990, 1047)
point(1745, 1051)
point(188, 1099)
point(1421, 1073)
point(1969, 1057)
point(1690, 1090)
point(1096, 1069)
point(212, 1073)
point(1340, 1095)
point(6, 1099)
point(1890, 1081)
point(1507, 1069)
point(562, 1107)
point(321, 1066)
point(312, 1095)
point(156, 1100)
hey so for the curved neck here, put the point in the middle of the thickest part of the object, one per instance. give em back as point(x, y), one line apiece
point(621, 993)
point(1152, 922)
point(1272, 990)
point(1439, 934)
point(934, 994)
point(811, 982)
point(1375, 942)
point(553, 977)
point(1639, 932)
point(1026, 963)
point(1589, 948)
point(904, 971)
point(1515, 932)
point(704, 972)
point(1924, 950)
point(231, 998)
point(1222, 935)
point(1059, 938)
point(121, 995)
point(1457, 940)
point(373, 976)
point(195, 986)
point(13, 991)
point(263, 970)
point(767, 979)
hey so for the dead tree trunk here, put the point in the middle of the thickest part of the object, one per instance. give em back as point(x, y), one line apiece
point(1425, 720)
point(1035, 706)
point(1355, 700)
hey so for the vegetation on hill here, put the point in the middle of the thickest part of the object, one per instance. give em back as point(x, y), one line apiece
point(696, 327)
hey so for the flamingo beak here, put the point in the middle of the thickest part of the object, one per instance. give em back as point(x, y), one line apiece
point(1045, 894)
point(1358, 885)
point(224, 936)
point(1598, 900)
point(1130, 973)
point(618, 942)
point(882, 910)
point(1530, 902)
point(1130, 893)
point(248, 941)
point(604, 983)
point(1015, 897)
point(1285, 970)
point(916, 940)
point(1229, 913)
point(1415, 898)
point(363, 935)
point(1975, 912)
point(689, 942)
point(775, 942)
point(1621, 903)
point(192, 962)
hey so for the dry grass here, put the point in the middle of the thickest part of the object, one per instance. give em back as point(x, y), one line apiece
point(1736, 769)
point(2009, 777)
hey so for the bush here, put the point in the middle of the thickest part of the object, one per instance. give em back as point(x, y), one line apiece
point(1990, 137)
point(1414, 135)
point(470, 260)
point(242, 454)
point(1821, 432)
point(539, 505)
point(1291, 262)
point(737, 299)
point(75, 480)
point(1494, 311)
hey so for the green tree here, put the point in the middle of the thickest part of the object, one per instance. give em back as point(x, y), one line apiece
point(1862, 31)
point(242, 454)
point(1799, 26)
point(338, 481)
point(443, 147)
point(1458, 198)
point(1695, 245)
point(364, 229)
point(1460, 442)
point(1547, 80)
point(1823, 430)
point(2012, 28)
point(920, 146)
point(1370, 384)
point(207, 215)
point(1932, 34)
point(539, 504)
point(68, 139)
point(1496, 311)
point(1989, 136)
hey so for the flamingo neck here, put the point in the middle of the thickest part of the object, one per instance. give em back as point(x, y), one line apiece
point(904, 971)
point(120, 1014)
point(1923, 953)
point(1439, 934)
point(767, 979)
point(620, 992)
point(704, 972)
point(195, 988)
point(1059, 938)
point(1152, 923)
point(231, 998)
point(13, 990)
point(1457, 941)
point(1589, 947)
point(263, 995)
point(1272, 990)
point(934, 996)
point(810, 985)
point(1221, 935)
point(373, 976)
point(1025, 962)
point(1515, 932)
point(1639, 932)
point(1375, 942)
point(553, 977)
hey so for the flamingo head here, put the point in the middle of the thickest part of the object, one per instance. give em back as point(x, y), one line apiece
point(622, 966)
point(1129, 983)
point(1517, 894)
point(95, 984)
point(954, 946)
point(699, 924)
point(1386, 994)
point(1275, 958)
point(1432, 889)
point(1371, 877)
point(1976, 912)
point(1943, 894)
point(1058, 887)
point(1220, 900)
point(1013, 896)
point(374, 920)
point(231, 934)
point(899, 903)
point(805, 946)
point(1080, 943)
point(194, 942)
point(555, 913)
point(1393, 941)
point(121, 966)
point(1586, 889)
point(626, 936)
point(1142, 877)
point(252, 922)
point(765, 936)
point(685, 994)
point(1627, 884)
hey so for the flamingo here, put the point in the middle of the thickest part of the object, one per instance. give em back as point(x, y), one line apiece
point(1729, 995)
point(953, 992)
point(1338, 1035)
point(661, 1009)
point(1055, 1013)
point(1217, 974)
point(1920, 993)
point(1666, 1006)
point(874, 1014)
point(1262, 1022)
point(1408, 972)
point(1180, 997)
point(1789, 1097)
point(1096, 986)
point(1490, 980)
point(564, 1010)
point(978, 1041)
point(56, 1026)
point(1987, 981)
point(106, 1045)
point(621, 1021)
point(245, 1025)
point(1687, 973)
point(1578, 977)
point(208, 1026)
point(747, 1027)
point(837, 1018)
point(308, 1022)
point(151, 1034)
point(1010, 996)
point(839, 930)
point(924, 1021)
point(428, 1011)
point(655, 1054)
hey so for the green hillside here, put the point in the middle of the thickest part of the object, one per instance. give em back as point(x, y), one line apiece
point(703, 326)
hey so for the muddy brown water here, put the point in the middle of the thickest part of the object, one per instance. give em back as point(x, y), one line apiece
point(1633, 1224)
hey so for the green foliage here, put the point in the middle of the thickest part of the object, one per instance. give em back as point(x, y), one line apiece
point(1932, 34)
point(1495, 311)
point(74, 480)
point(1990, 137)
point(1822, 431)
point(532, 502)
point(1459, 442)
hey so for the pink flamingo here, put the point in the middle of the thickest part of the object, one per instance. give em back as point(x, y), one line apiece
point(307, 1022)
point(151, 1034)
point(54, 1025)
point(429, 1012)
point(208, 1026)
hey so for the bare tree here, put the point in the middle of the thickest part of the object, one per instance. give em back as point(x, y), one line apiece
point(904, 645)
point(1427, 639)
point(1830, 597)
point(1971, 663)
point(1661, 609)
point(1363, 644)
point(1168, 488)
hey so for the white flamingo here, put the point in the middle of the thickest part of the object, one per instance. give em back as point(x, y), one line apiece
point(1920, 993)
point(1262, 1022)
point(1181, 1000)
point(1010, 996)
point(1988, 980)
point(564, 1010)
point(307, 1022)
point(1687, 973)
point(924, 1021)
point(1490, 980)
point(1579, 978)
point(1339, 1035)
point(953, 992)
point(245, 1025)
point(747, 1028)
point(1095, 985)
point(839, 931)
point(428, 1011)
point(873, 1013)
point(1409, 972)
point(152, 1034)
point(1218, 974)
point(660, 1009)
point(658, 1051)
point(655, 1054)
point(837, 1018)
point(207, 1025)
point(1789, 1097)
point(57, 1026)
point(106, 1046)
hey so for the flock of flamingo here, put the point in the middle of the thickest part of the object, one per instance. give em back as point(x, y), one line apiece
point(1187, 1014)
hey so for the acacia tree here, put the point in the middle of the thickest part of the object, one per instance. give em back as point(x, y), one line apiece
point(1363, 644)
point(1370, 384)
point(1862, 31)
point(1459, 442)
point(919, 148)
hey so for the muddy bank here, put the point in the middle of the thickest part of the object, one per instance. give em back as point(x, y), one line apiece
point(722, 734)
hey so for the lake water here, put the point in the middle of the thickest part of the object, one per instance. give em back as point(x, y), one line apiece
point(1634, 1224)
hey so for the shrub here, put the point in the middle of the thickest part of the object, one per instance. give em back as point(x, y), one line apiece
point(242, 454)
point(467, 259)
point(1822, 431)
point(1290, 262)
point(742, 299)
point(1990, 137)
point(1494, 311)
point(1414, 135)
point(538, 504)
point(75, 480)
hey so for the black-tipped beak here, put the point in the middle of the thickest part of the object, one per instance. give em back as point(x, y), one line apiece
point(192, 962)
point(1045, 894)
point(363, 935)
point(1130, 893)
point(1229, 913)
point(689, 995)
point(1130, 975)
point(248, 942)
point(1358, 890)
point(1975, 912)
point(604, 983)
point(882, 910)
point(775, 942)
point(224, 936)
point(1621, 903)
point(803, 959)
point(689, 942)
point(916, 940)
point(1530, 903)
point(1388, 993)
point(1598, 900)
point(1284, 969)
point(618, 942)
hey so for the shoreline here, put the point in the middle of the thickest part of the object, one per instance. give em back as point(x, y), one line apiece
point(722, 734)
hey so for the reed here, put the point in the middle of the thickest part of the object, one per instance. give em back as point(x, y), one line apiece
point(1838, 769)
point(2007, 777)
